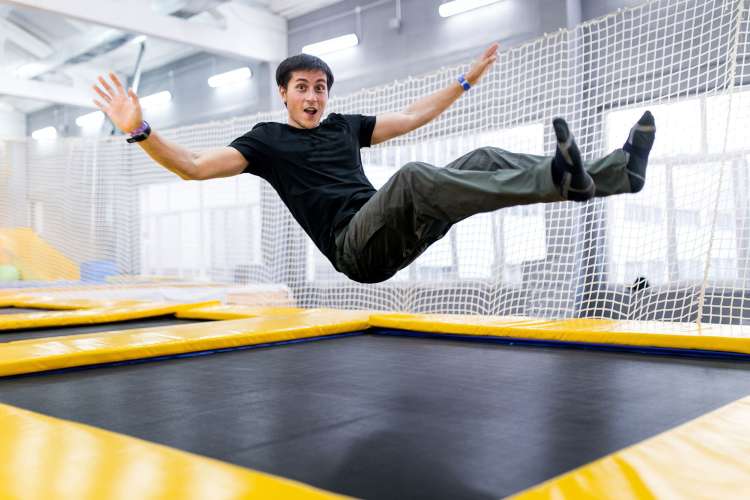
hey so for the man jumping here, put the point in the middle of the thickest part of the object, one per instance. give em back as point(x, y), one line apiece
point(315, 167)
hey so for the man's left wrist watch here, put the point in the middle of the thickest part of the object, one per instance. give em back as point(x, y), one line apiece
point(140, 134)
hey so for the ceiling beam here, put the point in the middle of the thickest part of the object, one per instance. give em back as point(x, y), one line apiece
point(250, 32)
point(66, 49)
point(48, 92)
point(25, 40)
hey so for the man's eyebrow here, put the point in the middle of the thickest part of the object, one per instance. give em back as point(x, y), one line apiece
point(302, 79)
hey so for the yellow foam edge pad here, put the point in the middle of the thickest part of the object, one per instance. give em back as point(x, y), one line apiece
point(36, 355)
point(57, 303)
point(708, 457)
point(125, 311)
point(50, 458)
point(725, 338)
point(232, 311)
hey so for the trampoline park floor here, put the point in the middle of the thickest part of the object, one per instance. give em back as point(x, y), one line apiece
point(388, 417)
point(373, 413)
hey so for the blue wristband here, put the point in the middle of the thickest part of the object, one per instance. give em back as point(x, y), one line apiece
point(463, 82)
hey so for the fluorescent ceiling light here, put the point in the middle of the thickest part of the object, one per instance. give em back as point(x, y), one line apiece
point(156, 100)
point(94, 119)
point(45, 134)
point(332, 45)
point(459, 6)
point(230, 77)
point(139, 39)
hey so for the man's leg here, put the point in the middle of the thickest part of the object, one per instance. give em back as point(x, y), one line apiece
point(566, 168)
point(420, 203)
point(390, 230)
point(624, 170)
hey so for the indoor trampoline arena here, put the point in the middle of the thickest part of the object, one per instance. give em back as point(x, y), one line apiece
point(377, 249)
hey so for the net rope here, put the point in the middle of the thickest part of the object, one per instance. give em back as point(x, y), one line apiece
point(678, 251)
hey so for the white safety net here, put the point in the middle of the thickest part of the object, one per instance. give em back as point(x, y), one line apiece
point(677, 251)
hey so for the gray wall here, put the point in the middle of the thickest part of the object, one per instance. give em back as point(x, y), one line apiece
point(423, 43)
point(591, 9)
point(193, 101)
point(12, 124)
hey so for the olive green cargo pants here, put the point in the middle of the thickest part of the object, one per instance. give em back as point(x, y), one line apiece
point(420, 203)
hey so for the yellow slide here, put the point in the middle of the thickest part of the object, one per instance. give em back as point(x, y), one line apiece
point(36, 259)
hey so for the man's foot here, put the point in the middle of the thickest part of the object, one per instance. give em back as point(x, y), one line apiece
point(568, 174)
point(638, 145)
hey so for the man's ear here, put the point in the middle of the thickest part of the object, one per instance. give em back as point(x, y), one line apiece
point(282, 93)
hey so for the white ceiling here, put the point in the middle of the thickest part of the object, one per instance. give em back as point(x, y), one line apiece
point(64, 45)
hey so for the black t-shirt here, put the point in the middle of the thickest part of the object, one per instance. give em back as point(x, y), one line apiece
point(317, 172)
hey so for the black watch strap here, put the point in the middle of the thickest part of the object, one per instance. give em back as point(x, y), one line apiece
point(140, 134)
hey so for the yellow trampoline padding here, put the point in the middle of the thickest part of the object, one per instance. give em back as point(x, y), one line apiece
point(708, 457)
point(47, 458)
point(232, 311)
point(62, 303)
point(725, 338)
point(35, 355)
point(90, 316)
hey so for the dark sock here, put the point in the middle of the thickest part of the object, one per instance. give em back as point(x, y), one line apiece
point(639, 144)
point(568, 174)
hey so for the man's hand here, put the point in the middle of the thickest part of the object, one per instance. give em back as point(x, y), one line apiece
point(481, 65)
point(122, 107)
point(426, 109)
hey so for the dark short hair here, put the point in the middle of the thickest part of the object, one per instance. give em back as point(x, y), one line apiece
point(301, 62)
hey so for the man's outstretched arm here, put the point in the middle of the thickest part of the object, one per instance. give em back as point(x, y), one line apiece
point(124, 109)
point(426, 109)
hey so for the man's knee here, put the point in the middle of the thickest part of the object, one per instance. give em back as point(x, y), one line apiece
point(413, 168)
point(415, 174)
point(488, 152)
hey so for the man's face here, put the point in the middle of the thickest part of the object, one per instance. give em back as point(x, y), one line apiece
point(306, 97)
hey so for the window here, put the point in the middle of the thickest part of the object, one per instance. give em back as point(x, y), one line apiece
point(684, 219)
point(200, 230)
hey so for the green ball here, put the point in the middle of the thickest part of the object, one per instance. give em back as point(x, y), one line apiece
point(9, 273)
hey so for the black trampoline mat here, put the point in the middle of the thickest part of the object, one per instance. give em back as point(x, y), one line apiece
point(46, 332)
point(392, 417)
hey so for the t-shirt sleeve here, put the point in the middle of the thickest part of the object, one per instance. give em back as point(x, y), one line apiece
point(362, 126)
point(252, 147)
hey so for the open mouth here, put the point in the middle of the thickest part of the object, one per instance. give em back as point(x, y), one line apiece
point(311, 111)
